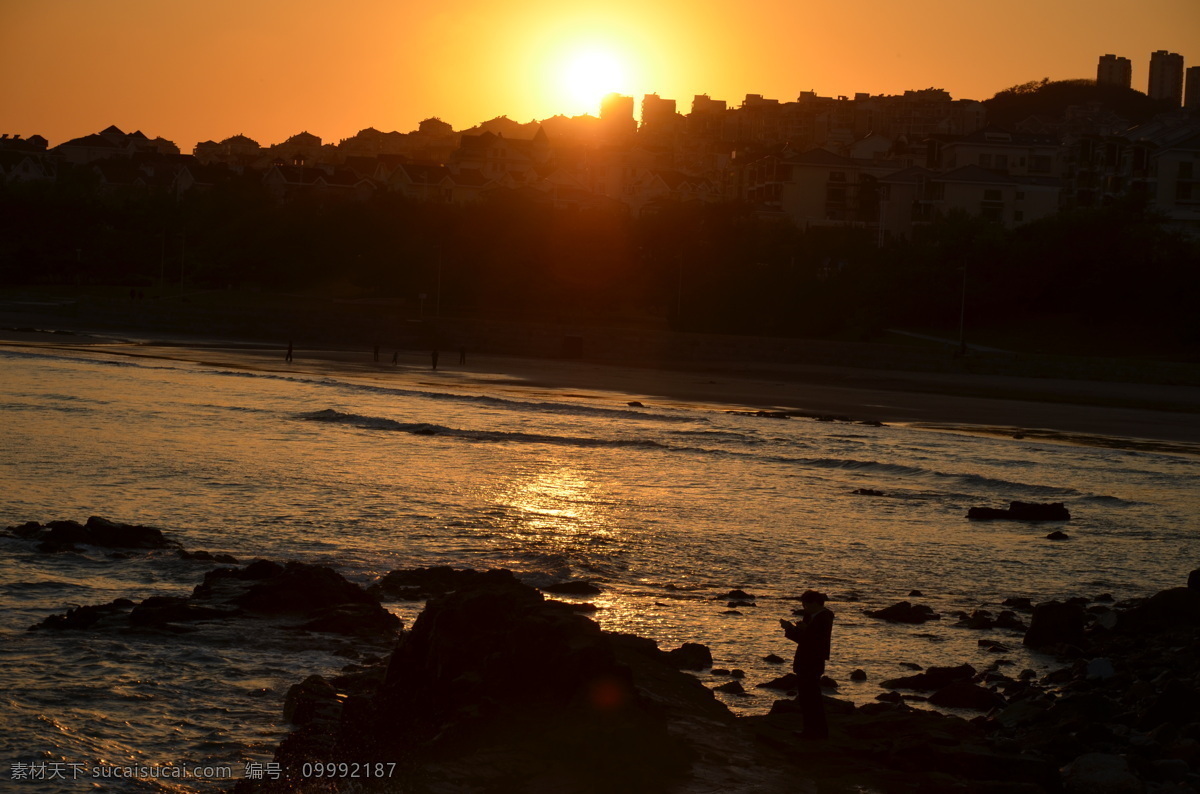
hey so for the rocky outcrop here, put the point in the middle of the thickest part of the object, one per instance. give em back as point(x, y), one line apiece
point(322, 598)
point(97, 531)
point(494, 688)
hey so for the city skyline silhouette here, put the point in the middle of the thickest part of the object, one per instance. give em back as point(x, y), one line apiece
point(191, 73)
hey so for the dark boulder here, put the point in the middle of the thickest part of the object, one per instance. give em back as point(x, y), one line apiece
point(1055, 623)
point(904, 612)
point(731, 688)
point(966, 695)
point(301, 587)
point(1194, 580)
point(1058, 534)
point(784, 682)
point(932, 679)
point(690, 656)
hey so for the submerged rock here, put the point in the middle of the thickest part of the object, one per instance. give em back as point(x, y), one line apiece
point(1022, 511)
point(904, 612)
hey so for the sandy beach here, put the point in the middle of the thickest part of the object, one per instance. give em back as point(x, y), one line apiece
point(1125, 415)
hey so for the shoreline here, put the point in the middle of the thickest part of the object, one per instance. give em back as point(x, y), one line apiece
point(1121, 415)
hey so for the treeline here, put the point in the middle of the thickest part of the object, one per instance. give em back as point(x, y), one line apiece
point(715, 268)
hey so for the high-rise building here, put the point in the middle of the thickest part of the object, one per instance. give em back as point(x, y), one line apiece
point(616, 115)
point(1191, 98)
point(657, 113)
point(1166, 76)
point(1114, 70)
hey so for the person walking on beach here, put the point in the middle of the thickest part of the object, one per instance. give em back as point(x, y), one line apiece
point(462, 355)
point(812, 635)
point(288, 357)
point(434, 357)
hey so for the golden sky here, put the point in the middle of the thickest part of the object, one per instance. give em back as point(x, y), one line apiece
point(188, 70)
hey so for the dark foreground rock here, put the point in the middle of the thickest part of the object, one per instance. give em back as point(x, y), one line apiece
point(496, 689)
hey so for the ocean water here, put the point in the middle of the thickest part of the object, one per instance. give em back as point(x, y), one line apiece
point(666, 508)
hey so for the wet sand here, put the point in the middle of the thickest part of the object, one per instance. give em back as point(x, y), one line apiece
point(1122, 415)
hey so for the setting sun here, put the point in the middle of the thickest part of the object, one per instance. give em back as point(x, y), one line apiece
point(587, 75)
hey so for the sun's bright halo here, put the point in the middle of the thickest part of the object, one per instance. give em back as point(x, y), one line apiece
point(588, 74)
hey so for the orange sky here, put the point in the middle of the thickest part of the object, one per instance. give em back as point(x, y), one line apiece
point(188, 70)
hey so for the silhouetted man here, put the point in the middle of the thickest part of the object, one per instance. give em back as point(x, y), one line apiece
point(812, 635)
point(288, 357)
point(434, 357)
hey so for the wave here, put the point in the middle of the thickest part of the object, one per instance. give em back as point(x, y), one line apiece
point(426, 429)
point(524, 405)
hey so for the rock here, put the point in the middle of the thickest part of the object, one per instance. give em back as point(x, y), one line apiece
point(737, 594)
point(300, 587)
point(965, 695)
point(306, 700)
point(867, 492)
point(158, 610)
point(979, 619)
point(915, 594)
point(1058, 535)
point(1019, 603)
point(904, 612)
point(635, 404)
point(1177, 608)
point(572, 588)
point(496, 689)
point(1055, 623)
point(365, 620)
point(771, 658)
point(1008, 619)
point(858, 675)
point(84, 617)
point(933, 678)
point(784, 682)
point(1100, 669)
point(1100, 773)
point(1194, 580)
point(690, 656)
point(731, 688)
point(1021, 511)
point(63, 535)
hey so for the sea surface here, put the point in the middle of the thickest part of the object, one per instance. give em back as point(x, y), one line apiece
point(668, 509)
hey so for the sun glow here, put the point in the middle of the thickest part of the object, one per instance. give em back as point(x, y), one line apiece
point(587, 75)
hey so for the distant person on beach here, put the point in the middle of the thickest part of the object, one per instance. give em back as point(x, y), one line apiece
point(288, 357)
point(434, 357)
point(395, 358)
point(812, 635)
point(462, 355)
point(376, 353)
